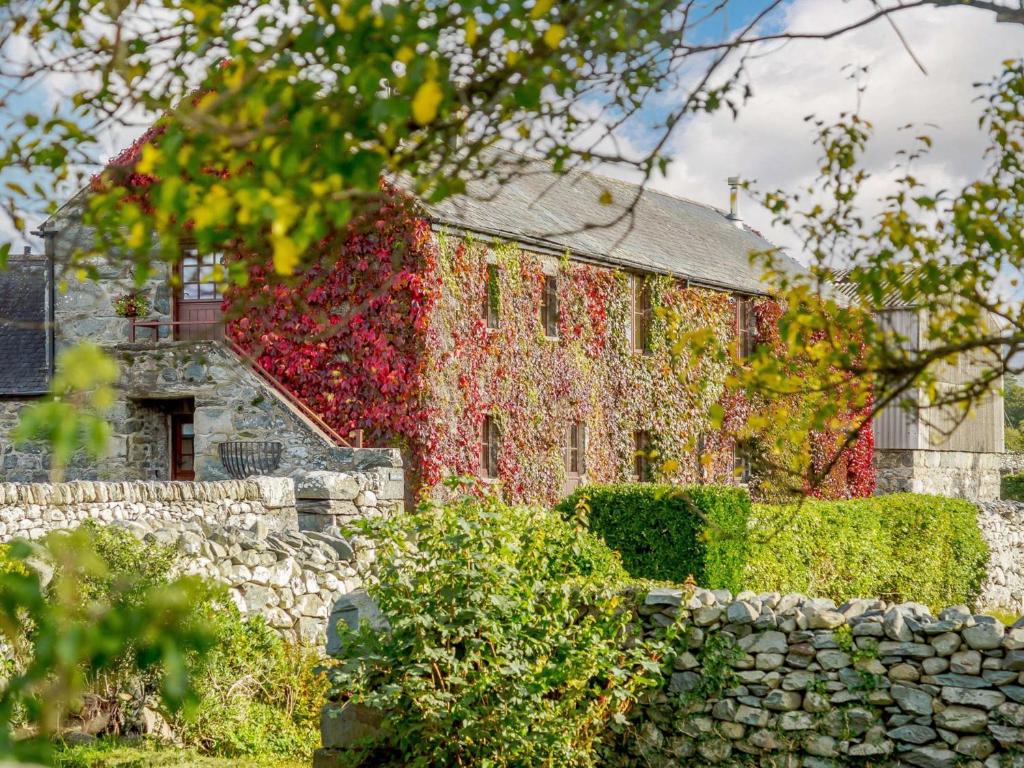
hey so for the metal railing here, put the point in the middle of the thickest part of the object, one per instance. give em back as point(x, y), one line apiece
point(216, 328)
point(354, 440)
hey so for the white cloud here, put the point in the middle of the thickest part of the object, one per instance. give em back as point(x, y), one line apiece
point(771, 143)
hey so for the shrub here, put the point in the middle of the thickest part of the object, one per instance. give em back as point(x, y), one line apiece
point(928, 549)
point(505, 645)
point(253, 693)
point(670, 533)
point(258, 694)
point(1012, 487)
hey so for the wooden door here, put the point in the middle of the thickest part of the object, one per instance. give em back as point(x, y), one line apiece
point(183, 447)
point(197, 303)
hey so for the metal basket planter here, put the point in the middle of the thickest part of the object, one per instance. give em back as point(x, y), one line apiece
point(244, 458)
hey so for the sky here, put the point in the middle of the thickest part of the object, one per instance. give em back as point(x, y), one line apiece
point(770, 142)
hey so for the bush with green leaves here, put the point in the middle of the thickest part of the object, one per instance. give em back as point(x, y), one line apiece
point(1012, 487)
point(928, 549)
point(507, 640)
point(669, 532)
point(61, 635)
point(256, 693)
point(246, 691)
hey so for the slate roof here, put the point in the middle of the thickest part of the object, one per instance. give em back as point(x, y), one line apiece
point(23, 367)
point(668, 235)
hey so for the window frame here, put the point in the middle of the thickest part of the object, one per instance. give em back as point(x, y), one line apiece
point(745, 326)
point(574, 446)
point(549, 309)
point(489, 435)
point(491, 309)
point(742, 467)
point(641, 460)
point(640, 313)
point(203, 282)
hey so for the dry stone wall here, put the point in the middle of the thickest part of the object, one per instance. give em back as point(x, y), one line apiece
point(30, 510)
point(1002, 526)
point(784, 680)
point(243, 533)
point(290, 578)
point(812, 684)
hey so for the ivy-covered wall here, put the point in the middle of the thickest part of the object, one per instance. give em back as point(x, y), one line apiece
point(387, 334)
point(535, 386)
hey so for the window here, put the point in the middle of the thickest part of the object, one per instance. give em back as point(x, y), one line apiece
point(549, 306)
point(746, 327)
point(490, 307)
point(489, 447)
point(199, 275)
point(640, 313)
point(574, 449)
point(741, 463)
point(642, 455)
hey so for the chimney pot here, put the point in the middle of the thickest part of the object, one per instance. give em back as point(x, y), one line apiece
point(734, 207)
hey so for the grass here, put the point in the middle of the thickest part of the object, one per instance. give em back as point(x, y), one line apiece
point(113, 753)
point(1004, 615)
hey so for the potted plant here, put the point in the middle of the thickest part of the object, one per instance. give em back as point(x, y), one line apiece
point(131, 305)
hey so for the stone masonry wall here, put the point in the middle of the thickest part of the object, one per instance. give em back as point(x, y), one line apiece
point(33, 509)
point(790, 681)
point(1002, 526)
point(1012, 463)
point(959, 474)
point(230, 403)
point(243, 533)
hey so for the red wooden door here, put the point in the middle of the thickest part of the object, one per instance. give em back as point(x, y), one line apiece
point(183, 447)
point(197, 304)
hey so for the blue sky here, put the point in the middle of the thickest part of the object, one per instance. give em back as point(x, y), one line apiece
point(771, 142)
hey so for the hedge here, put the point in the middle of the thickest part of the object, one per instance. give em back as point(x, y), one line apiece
point(1012, 487)
point(926, 549)
point(668, 532)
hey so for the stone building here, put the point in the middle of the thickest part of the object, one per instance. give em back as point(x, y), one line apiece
point(939, 450)
point(187, 387)
point(183, 390)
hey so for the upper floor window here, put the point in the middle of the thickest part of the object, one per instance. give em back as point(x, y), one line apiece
point(490, 306)
point(642, 455)
point(639, 313)
point(549, 306)
point(741, 462)
point(200, 276)
point(573, 449)
point(746, 327)
point(489, 447)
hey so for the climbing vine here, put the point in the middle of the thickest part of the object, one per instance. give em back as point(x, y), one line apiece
point(386, 334)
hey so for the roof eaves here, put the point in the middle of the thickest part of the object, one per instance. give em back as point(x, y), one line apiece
point(439, 224)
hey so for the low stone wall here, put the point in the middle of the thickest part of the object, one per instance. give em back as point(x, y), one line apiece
point(959, 474)
point(291, 578)
point(790, 681)
point(327, 499)
point(30, 510)
point(1011, 463)
point(1002, 526)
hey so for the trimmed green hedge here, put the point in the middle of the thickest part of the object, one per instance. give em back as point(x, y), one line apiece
point(903, 546)
point(1012, 487)
point(900, 547)
point(668, 533)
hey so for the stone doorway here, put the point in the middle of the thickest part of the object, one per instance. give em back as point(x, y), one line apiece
point(161, 438)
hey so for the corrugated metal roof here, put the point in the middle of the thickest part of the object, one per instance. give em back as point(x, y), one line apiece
point(665, 234)
point(892, 298)
point(24, 370)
